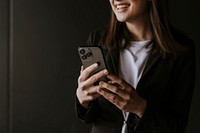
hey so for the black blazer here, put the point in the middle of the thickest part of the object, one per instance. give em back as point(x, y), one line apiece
point(167, 85)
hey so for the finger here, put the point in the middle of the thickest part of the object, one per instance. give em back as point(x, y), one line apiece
point(82, 68)
point(116, 80)
point(87, 96)
point(91, 90)
point(91, 98)
point(94, 78)
point(94, 96)
point(113, 88)
point(87, 71)
point(91, 93)
point(113, 98)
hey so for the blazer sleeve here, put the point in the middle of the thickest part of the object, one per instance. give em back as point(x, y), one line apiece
point(86, 115)
point(173, 116)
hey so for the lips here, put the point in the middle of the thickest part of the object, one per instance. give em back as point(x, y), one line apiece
point(122, 7)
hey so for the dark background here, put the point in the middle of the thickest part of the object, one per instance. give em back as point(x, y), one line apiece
point(39, 64)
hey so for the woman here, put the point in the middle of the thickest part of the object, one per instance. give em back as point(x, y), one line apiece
point(151, 69)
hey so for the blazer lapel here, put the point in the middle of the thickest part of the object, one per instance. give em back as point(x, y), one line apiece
point(114, 55)
point(112, 60)
point(150, 63)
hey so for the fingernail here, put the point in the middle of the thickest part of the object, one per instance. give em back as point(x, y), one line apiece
point(95, 65)
point(108, 76)
point(101, 83)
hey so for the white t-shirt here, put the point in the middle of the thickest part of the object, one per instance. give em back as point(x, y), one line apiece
point(132, 63)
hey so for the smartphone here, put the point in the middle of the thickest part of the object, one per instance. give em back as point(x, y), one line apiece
point(90, 55)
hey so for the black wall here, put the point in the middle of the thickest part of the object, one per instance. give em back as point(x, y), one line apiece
point(4, 67)
point(185, 15)
point(39, 64)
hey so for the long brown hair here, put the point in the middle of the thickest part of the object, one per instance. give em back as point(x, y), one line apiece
point(118, 36)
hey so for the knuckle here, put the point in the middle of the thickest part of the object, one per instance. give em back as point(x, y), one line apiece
point(116, 89)
point(94, 79)
point(81, 87)
point(86, 93)
point(99, 75)
point(113, 97)
point(128, 97)
point(87, 71)
point(123, 105)
point(80, 79)
point(120, 81)
point(106, 86)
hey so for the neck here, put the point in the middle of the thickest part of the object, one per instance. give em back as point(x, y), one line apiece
point(140, 30)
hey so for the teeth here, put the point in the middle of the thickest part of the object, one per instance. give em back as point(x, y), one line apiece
point(122, 6)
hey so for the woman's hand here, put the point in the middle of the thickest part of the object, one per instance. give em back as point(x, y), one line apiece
point(86, 91)
point(123, 95)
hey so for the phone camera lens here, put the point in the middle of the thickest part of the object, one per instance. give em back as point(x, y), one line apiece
point(89, 54)
point(84, 57)
point(82, 51)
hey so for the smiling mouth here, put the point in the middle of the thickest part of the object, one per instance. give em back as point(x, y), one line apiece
point(122, 7)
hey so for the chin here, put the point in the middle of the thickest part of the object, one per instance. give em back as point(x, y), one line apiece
point(121, 19)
